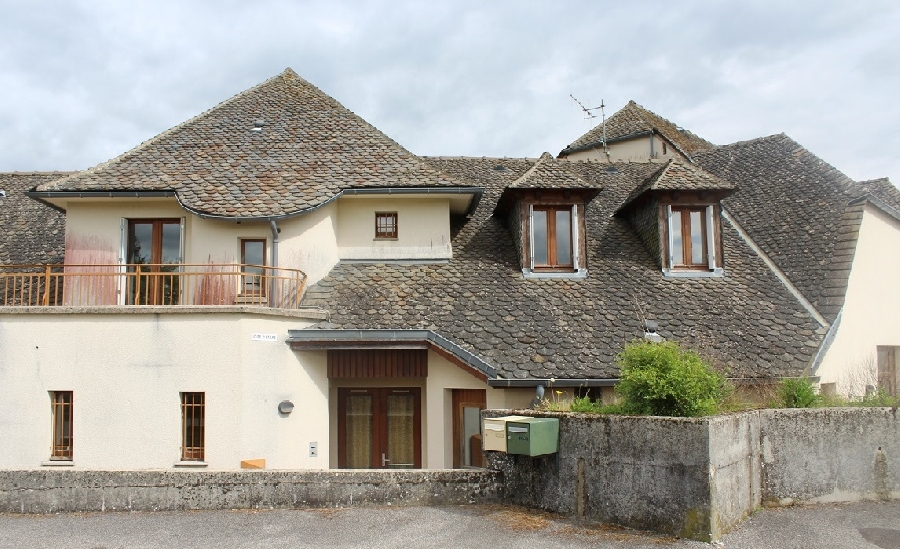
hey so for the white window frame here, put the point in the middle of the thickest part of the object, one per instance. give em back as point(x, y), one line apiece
point(669, 268)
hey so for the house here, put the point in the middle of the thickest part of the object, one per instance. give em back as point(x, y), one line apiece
point(834, 242)
point(637, 134)
point(277, 283)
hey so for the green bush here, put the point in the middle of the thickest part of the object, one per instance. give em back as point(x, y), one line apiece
point(663, 379)
point(585, 405)
point(797, 393)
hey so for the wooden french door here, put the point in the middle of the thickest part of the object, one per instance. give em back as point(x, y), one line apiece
point(467, 443)
point(380, 428)
point(155, 243)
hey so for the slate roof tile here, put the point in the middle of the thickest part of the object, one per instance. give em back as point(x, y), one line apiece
point(308, 148)
point(562, 328)
point(797, 208)
point(33, 233)
point(632, 120)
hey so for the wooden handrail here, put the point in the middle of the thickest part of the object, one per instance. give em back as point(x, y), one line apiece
point(150, 284)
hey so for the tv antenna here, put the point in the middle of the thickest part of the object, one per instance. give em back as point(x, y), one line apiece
point(590, 113)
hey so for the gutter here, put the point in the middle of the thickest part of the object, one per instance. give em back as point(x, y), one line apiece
point(551, 382)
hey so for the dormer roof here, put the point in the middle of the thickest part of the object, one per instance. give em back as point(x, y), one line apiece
point(632, 121)
point(679, 176)
point(278, 149)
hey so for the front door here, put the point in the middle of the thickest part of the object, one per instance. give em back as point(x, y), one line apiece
point(379, 428)
point(154, 251)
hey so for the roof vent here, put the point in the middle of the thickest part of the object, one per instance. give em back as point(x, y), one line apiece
point(500, 168)
point(650, 329)
point(2, 193)
point(612, 169)
point(258, 124)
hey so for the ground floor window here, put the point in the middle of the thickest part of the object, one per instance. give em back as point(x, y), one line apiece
point(379, 428)
point(62, 425)
point(193, 412)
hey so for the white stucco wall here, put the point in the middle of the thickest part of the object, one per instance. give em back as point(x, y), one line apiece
point(126, 372)
point(634, 150)
point(871, 313)
point(423, 227)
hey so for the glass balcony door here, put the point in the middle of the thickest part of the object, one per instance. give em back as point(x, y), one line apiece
point(155, 243)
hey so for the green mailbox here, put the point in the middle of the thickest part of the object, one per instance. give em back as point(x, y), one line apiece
point(533, 436)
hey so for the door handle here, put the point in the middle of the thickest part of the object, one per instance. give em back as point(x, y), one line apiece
point(384, 460)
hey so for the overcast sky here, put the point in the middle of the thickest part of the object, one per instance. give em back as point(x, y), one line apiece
point(84, 81)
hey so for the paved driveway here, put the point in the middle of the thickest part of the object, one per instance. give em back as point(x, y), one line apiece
point(867, 525)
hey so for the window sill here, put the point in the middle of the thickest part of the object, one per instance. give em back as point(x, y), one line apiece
point(190, 464)
point(579, 274)
point(678, 273)
point(385, 238)
point(58, 463)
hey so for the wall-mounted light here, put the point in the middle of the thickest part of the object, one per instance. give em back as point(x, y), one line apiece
point(285, 407)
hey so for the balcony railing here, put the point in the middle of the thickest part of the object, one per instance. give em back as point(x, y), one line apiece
point(144, 284)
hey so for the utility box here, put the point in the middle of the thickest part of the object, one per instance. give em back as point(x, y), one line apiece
point(494, 430)
point(532, 436)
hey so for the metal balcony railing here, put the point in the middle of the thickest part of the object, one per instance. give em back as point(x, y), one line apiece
point(145, 284)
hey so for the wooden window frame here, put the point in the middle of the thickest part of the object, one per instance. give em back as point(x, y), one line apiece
point(248, 275)
point(685, 262)
point(63, 441)
point(193, 445)
point(553, 264)
point(386, 225)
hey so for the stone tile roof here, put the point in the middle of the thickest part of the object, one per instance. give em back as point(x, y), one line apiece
point(549, 173)
point(33, 232)
point(632, 120)
point(797, 208)
point(307, 149)
point(572, 329)
point(883, 190)
point(679, 176)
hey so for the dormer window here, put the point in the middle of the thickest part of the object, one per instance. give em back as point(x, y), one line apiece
point(692, 240)
point(552, 238)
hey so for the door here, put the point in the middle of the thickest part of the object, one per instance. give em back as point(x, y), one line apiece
point(467, 441)
point(379, 428)
point(154, 249)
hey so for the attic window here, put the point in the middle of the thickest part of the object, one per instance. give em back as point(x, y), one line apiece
point(692, 240)
point(551, 238)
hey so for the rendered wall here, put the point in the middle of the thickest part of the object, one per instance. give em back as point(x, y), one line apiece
point(126, 371)
point(871, 307)
point(634, 150)
point(423, 228)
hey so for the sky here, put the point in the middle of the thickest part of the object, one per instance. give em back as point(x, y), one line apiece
point(84, 81)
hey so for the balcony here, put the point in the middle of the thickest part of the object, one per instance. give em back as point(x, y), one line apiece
point(72, 285)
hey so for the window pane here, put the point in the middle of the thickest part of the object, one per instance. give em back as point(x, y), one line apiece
point(171, 243)
point(401, 449)
point(359, 432)
point(539, 237)
point(697, 237)
point(677, 247)
point(563, 237)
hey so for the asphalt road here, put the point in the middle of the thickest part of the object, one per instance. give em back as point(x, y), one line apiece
point(868, 525)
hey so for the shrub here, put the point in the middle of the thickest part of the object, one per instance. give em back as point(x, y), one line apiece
point(797, 393)
point(585, 405)
point(665, 380)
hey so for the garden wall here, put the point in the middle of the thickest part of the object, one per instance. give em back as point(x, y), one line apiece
point(698, 478)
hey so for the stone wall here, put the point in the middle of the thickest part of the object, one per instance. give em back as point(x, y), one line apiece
point(53, 491)
point(698, 478)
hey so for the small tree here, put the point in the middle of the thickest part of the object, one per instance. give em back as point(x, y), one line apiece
point(665, 380)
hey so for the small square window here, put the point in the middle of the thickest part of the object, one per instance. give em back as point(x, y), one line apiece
point(193, 419)
point(385, 224)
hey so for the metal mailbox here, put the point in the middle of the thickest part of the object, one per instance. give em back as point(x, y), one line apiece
point(532, 436)
point(494, 432)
